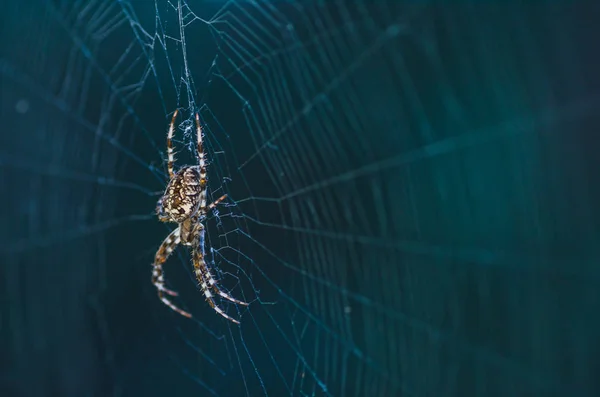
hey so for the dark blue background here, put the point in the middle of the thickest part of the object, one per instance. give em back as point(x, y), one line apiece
point(475, 272)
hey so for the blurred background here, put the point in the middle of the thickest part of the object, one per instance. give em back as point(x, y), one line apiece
point(412, 197)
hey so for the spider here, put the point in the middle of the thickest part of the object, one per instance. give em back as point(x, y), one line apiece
point(184, 202)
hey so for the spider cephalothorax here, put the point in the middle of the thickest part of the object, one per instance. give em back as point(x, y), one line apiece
point(184, 202)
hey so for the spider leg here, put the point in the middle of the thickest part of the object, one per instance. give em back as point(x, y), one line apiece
point(205, 273)
point(201, 163)
point(201, 274)
point(171, 156)
point(216, 202)
point(207, 282)
point(200, 151)
point(213, 284)
point(163, 253)
point(204, 209)
point(203, 173)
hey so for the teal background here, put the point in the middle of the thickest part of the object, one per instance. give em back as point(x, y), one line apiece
point(432, 228)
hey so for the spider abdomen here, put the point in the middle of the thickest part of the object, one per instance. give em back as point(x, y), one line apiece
point(183, 194)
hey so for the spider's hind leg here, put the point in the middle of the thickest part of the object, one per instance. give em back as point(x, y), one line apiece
point(213, 284)
point(163, 253)
point(209, 278)
point(207, 283)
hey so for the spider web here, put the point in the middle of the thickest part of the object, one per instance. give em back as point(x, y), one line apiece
point(410, 207)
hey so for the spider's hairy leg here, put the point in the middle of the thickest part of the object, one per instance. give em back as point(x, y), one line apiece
point(213, 284)
point(164, 251)
point(203, 173)
point(204, 209)
point(201, 275)
point(171, 156)
point(201, 164)
point(217, 201)
point(200, 151)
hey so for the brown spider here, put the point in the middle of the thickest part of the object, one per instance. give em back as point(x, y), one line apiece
point(184, 203)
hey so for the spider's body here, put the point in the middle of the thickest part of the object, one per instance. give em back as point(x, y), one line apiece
point(184, 202)
point(182, 198)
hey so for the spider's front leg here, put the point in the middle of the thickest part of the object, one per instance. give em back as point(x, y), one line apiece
point(163, 253)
